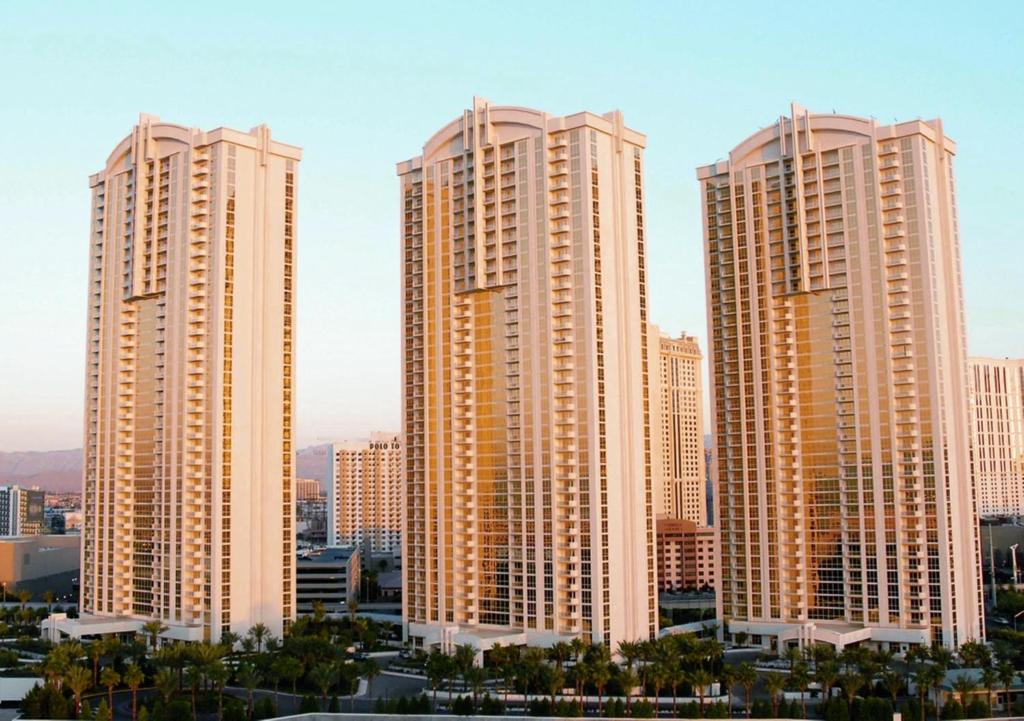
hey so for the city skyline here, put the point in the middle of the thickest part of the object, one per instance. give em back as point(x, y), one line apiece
point(364, 125)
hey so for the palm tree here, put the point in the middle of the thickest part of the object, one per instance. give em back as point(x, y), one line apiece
point(560, 653)
point(852, 682)
point(988, 679)
point(746, 676)
point(48, 597)
point(474, 677)
point(353, 606)
point(1006, 674)
point(700, 679)
point(964, 685)
point(291, 669)
point(629, 679)
point(258, 634)
point(371, 670)
point(799, 680)
point(79, 680)
point(97, 649)
point(774, 683)
point(24, 596)
point(133, 678)
point(826, 675)
point(229, 639)
point(153, 629)
point(893, 682)
point(219, 679)
point(323, 677)
point(465, 657)
point(437, 671)
point(166, 682)
point(937, 676)
point(193, 678)
point(249, 678)
point(110, 678)
point(923, 680)
point(599, 661)
point(792, 654)
point(975, 654)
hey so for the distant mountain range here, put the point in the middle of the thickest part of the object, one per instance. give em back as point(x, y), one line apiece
point(61, 471)
point(57, 471)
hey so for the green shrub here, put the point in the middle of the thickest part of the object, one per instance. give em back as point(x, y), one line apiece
point(491, 706)
point(952, 710)
point(463, 706)
point(45, 702)
point(689, 710)
point(716, 710)
point(309, 704)
point(978, 708)
point(264, 709)
point(643, 709)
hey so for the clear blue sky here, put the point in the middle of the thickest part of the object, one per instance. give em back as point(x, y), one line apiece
point(362, 85)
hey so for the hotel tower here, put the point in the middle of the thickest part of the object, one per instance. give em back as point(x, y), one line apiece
point(187, 495)
point(997, 424)
point(365, 499)
point(529, 509)
point(835, 309)
point(677, 427)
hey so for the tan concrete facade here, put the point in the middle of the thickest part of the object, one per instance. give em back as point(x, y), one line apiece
point(997, 434)
point(365, 504)
point(835, 310)
point(687, 555)
point(189, 463)
point(529, 507)
point(677, 428)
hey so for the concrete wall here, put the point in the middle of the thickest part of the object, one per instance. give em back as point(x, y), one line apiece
point(32, 557)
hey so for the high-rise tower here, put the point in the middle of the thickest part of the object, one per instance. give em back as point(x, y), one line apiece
point(188, 470)
point(677, 427)
point(365, 500)
point(840, 408)
point(529, 509)
point(997, 426)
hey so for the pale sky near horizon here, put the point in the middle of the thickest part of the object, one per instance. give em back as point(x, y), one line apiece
point(361, 86)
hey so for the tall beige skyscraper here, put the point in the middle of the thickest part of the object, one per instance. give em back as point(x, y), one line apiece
point(365, 504)
point(188, 503)
point(840, 407)
point(997, 426)
point(677, 428)
point(529, 510)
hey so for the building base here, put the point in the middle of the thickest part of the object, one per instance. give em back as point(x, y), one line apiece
point(778, 636)
point(448, 637)
point(58, 626)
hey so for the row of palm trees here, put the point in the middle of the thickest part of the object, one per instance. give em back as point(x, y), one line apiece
point(172, 670)
point(666, 664)
point(857, 668)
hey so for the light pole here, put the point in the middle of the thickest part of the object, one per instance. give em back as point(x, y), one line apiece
point(1013, 559)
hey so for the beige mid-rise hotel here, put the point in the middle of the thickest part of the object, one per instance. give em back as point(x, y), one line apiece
point(188, 506)
point(844, 496)
point(365, 503)
point(677, 427)
point(529, 510)
point(997, 425)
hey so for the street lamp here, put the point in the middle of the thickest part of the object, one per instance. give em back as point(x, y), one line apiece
point(1013, 558)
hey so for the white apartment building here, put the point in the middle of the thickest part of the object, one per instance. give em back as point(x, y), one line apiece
point(365, 504)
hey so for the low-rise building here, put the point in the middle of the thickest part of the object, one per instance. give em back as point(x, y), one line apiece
point(330, 576)
point(40, 563)
point(686, 555)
